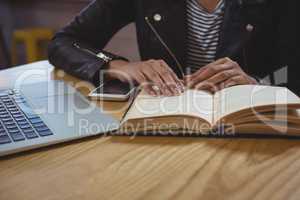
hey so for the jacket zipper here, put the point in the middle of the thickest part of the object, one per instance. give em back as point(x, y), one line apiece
point(152, 28)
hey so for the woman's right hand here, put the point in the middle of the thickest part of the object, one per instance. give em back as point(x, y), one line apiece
point(155, 76)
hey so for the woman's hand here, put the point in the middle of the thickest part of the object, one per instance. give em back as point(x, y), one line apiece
point(155, 76)
point(220, 74)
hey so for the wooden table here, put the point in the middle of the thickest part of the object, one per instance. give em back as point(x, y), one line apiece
point(148, 167)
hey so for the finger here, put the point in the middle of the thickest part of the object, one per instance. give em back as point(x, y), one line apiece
point(139, 79)
point(221, 85)
point(217, 62)
point(171, 75)
point(165, 77)
point(229, 84)
point(146, 85)
point(179, 84)
point(153, 77)
point(211, 70)
point(167, 67)
point(170, 85)
point(152, 89)
point(191, 76)
point(236, 80)
point(149, 89)
point(223, 76)
point(206, 86)
point(208, 73)
point(223, 60)
point(188, 79)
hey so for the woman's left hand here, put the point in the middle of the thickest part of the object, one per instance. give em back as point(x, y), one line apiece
point(218, 75)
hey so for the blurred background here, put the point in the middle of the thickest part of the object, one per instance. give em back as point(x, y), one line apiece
point(27, 26)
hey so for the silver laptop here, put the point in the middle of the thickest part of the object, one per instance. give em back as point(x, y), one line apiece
point(47, 113)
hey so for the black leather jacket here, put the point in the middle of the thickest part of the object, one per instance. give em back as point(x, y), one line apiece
point(261, 35)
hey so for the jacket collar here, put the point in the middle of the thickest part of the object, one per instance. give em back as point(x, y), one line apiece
point(234, 33)
point(173, 27)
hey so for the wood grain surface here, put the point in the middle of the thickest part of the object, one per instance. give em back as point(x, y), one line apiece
point(148, 167)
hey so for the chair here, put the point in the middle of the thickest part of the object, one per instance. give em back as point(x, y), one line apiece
point(31, 38)
point(5, 61)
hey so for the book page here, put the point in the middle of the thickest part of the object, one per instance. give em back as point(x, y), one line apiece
point(242, 97)
point(191, 103)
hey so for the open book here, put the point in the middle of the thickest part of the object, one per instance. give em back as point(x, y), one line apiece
point(246, 109)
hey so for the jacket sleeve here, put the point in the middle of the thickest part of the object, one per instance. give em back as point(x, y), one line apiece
point(289, 46)
point(92, 29)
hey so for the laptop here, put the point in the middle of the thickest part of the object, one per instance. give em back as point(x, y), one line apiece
point(46, 113)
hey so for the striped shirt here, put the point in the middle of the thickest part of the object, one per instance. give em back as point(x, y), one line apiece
point(203, 33)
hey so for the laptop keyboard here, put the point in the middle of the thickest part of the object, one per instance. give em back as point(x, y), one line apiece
point(18, 122)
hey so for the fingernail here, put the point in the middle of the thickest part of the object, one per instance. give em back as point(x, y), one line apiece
point(152, 93)
point(179, 90)
point(167, 92)
point(182, 88)
point(175, 91)
point(158, 93)
point(179, 87)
